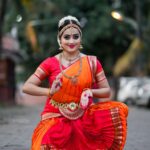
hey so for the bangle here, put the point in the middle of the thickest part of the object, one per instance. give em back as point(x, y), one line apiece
point(89, 90)
point(49, 92)
point(86, 89)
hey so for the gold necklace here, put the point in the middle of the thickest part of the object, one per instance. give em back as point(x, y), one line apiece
point(73, 78)
point(71, 60)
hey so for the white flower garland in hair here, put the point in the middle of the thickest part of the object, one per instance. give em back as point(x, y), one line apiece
point(61, 21)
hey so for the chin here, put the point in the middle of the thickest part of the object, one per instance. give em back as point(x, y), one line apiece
point(72, 50)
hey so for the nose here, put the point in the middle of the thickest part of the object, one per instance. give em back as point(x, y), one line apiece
point(71, 40)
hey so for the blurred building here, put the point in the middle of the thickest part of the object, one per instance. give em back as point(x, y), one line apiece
point(9, 57)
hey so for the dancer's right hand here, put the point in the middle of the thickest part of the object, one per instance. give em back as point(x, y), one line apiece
point(56, 85)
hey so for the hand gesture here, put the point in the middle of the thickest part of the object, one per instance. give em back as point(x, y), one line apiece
point(56, 85)
point(86, 98)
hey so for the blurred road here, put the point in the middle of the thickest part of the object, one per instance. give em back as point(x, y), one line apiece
point(17, 124)
point(138, 129)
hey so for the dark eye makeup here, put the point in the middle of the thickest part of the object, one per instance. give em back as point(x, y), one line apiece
point(66, 36)
point(74, 36)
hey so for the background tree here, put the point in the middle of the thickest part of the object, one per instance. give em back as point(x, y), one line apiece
point(103, 36)
point(2, 17)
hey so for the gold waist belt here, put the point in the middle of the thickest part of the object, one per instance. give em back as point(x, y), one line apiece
point(70, 110)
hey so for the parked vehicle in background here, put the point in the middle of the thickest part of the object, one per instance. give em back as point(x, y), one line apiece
point(144, 93)
point(134, 91)
point(128, 90)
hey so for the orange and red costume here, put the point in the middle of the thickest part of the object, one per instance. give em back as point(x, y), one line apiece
point(102, 126)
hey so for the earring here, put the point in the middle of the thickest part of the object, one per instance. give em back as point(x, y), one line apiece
point(81, 47)
point(60, 48)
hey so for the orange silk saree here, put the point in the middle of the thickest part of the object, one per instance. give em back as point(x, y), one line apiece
point(102, 126)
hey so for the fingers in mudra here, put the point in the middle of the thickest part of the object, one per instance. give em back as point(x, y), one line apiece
point(85, 99)
point(56, 85)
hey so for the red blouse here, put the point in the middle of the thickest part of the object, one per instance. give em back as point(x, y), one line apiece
point(51, 67)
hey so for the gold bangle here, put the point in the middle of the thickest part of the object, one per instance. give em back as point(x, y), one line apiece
point(49, 92)
point(86, 89)
point(89, 90)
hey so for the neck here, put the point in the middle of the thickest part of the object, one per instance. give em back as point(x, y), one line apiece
point(71, 56)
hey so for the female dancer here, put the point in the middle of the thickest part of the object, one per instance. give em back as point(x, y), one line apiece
point(70, 120)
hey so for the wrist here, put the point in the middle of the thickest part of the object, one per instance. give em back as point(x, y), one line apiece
point(49, 92)
point(90, 90)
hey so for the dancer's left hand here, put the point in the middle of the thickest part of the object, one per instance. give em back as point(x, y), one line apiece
point(86, 98)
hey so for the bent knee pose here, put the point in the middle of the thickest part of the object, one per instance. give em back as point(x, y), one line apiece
point(70, 119)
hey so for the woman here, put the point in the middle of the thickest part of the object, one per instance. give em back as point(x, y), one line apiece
point(70, 119)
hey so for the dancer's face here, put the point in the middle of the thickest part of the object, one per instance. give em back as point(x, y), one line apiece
point(70, 40)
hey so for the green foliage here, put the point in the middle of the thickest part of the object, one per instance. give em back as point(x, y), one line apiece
point(103, 36)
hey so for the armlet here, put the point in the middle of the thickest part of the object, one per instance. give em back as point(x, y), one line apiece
point(40, 73)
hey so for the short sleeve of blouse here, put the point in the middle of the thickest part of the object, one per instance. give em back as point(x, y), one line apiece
point(45, 65)
point(99, 66)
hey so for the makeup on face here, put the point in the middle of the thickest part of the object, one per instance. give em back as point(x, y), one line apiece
point(73, 36)
point(71, 33)
point(71, 39)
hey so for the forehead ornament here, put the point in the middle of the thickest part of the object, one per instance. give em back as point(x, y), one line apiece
point(71, 25)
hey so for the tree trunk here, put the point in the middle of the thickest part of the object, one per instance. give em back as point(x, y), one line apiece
point(2, 14)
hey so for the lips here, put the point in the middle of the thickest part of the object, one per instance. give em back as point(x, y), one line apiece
point(71, 46)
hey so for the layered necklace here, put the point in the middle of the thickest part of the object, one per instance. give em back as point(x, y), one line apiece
point(73, 78)
point(69, 59)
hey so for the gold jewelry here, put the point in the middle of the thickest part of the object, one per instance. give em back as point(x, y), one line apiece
point(86, 89)
point(72, 105)
point(89, 90)
point(70, 60)
point(49, 92)
point(81, 47)
point(73, 78)
point(60, 48)
point(71, 25)
point(70, 110)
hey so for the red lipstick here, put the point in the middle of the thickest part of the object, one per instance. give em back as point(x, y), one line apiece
point(71, 46)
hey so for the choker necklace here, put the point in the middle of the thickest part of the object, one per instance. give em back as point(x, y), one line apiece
point(70, 60)
point(73, 78)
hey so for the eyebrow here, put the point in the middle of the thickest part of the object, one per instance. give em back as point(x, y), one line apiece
point(71, 34)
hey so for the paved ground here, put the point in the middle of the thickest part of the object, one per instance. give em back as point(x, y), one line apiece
point(138, 129)
point(17, 124)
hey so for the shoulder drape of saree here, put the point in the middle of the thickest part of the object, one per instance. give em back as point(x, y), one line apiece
point(70, 92)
